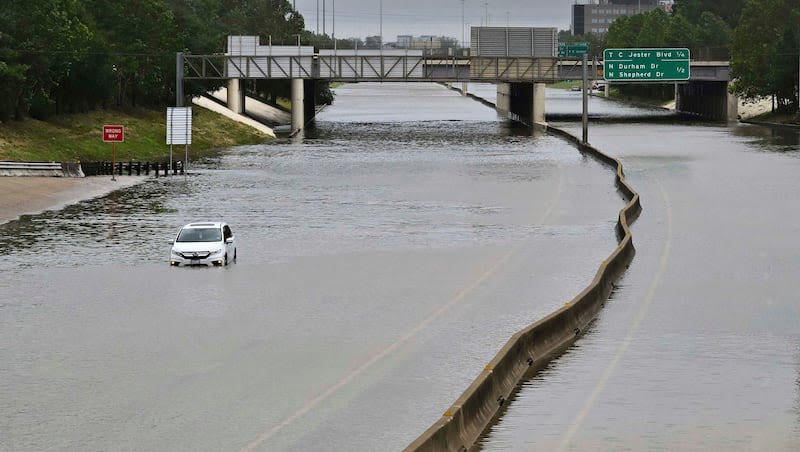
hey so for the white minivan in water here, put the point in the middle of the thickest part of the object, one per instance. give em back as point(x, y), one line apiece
point(209, 243)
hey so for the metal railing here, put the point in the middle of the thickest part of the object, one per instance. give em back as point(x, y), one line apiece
point(372, 67)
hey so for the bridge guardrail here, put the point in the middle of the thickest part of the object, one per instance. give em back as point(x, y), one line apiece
point(372, 66)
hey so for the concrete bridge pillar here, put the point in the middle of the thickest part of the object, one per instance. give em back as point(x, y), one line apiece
point(537, 111)
point(298, 106)
point(309, 101)
point(733, 107)
point(503, 100)
point(707, 99)
point(235, 96)
point(522, 102)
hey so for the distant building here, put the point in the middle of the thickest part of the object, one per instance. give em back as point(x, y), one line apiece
point(425, 42)
point(404, 41)
point(596, 17)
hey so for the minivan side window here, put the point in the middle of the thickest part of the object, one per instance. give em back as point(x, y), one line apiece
point(227, 232)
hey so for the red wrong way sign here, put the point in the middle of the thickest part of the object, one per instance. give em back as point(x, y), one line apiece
point(113, 133)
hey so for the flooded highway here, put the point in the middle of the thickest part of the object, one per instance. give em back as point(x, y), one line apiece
point(699, 348)
point(383, 260)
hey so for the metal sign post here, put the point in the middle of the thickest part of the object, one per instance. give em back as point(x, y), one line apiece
point(585, 116)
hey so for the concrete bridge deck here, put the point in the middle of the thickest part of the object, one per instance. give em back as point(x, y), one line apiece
point(526, 75)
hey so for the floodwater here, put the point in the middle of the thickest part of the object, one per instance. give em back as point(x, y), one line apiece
point(564, 105)
point(699, 348)
point(383, 260)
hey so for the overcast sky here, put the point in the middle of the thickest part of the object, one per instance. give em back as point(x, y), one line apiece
point(361, 18)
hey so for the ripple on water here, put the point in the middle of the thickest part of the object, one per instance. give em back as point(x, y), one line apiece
point(348, 187)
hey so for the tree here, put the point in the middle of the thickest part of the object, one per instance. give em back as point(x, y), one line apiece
point(713, 37)
point(764, 51)
point(654, 28)
point(12, 82)
point(624, 32)
point(680, 33)
point(273, 20)
point(61, 56)
point(728, 10)
point(41, 42)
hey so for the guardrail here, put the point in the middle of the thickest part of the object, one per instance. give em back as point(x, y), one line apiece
point(530, 349)
point(131, 168)
point(54, 169)
point(99, 168)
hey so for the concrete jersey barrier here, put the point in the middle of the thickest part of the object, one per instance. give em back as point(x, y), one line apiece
point(536, 345)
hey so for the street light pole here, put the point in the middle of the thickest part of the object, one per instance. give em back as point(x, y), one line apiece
point(380, 32)
point(462, 23)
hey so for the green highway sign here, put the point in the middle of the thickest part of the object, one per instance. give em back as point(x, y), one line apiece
point(575, 49)
point(646, 65)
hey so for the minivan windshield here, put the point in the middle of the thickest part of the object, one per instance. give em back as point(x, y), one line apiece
point(199, 235)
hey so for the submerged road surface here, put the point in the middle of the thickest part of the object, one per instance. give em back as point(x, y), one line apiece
point(383, 260)
point(699, 348)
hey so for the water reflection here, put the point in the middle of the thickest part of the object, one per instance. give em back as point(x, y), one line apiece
point(797, 392)
point(122, 226)
point(336, 186)
point(784, 140)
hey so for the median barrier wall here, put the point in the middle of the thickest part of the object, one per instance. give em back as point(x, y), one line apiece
point(533, 347)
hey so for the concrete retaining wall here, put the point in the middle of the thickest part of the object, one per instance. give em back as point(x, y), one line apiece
point(52, 169)
point(533, 347)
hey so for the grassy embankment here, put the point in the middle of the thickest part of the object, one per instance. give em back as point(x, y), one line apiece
point(78, 137)
point(784, 119)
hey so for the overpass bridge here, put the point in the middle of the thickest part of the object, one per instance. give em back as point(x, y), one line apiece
point(520, 79)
